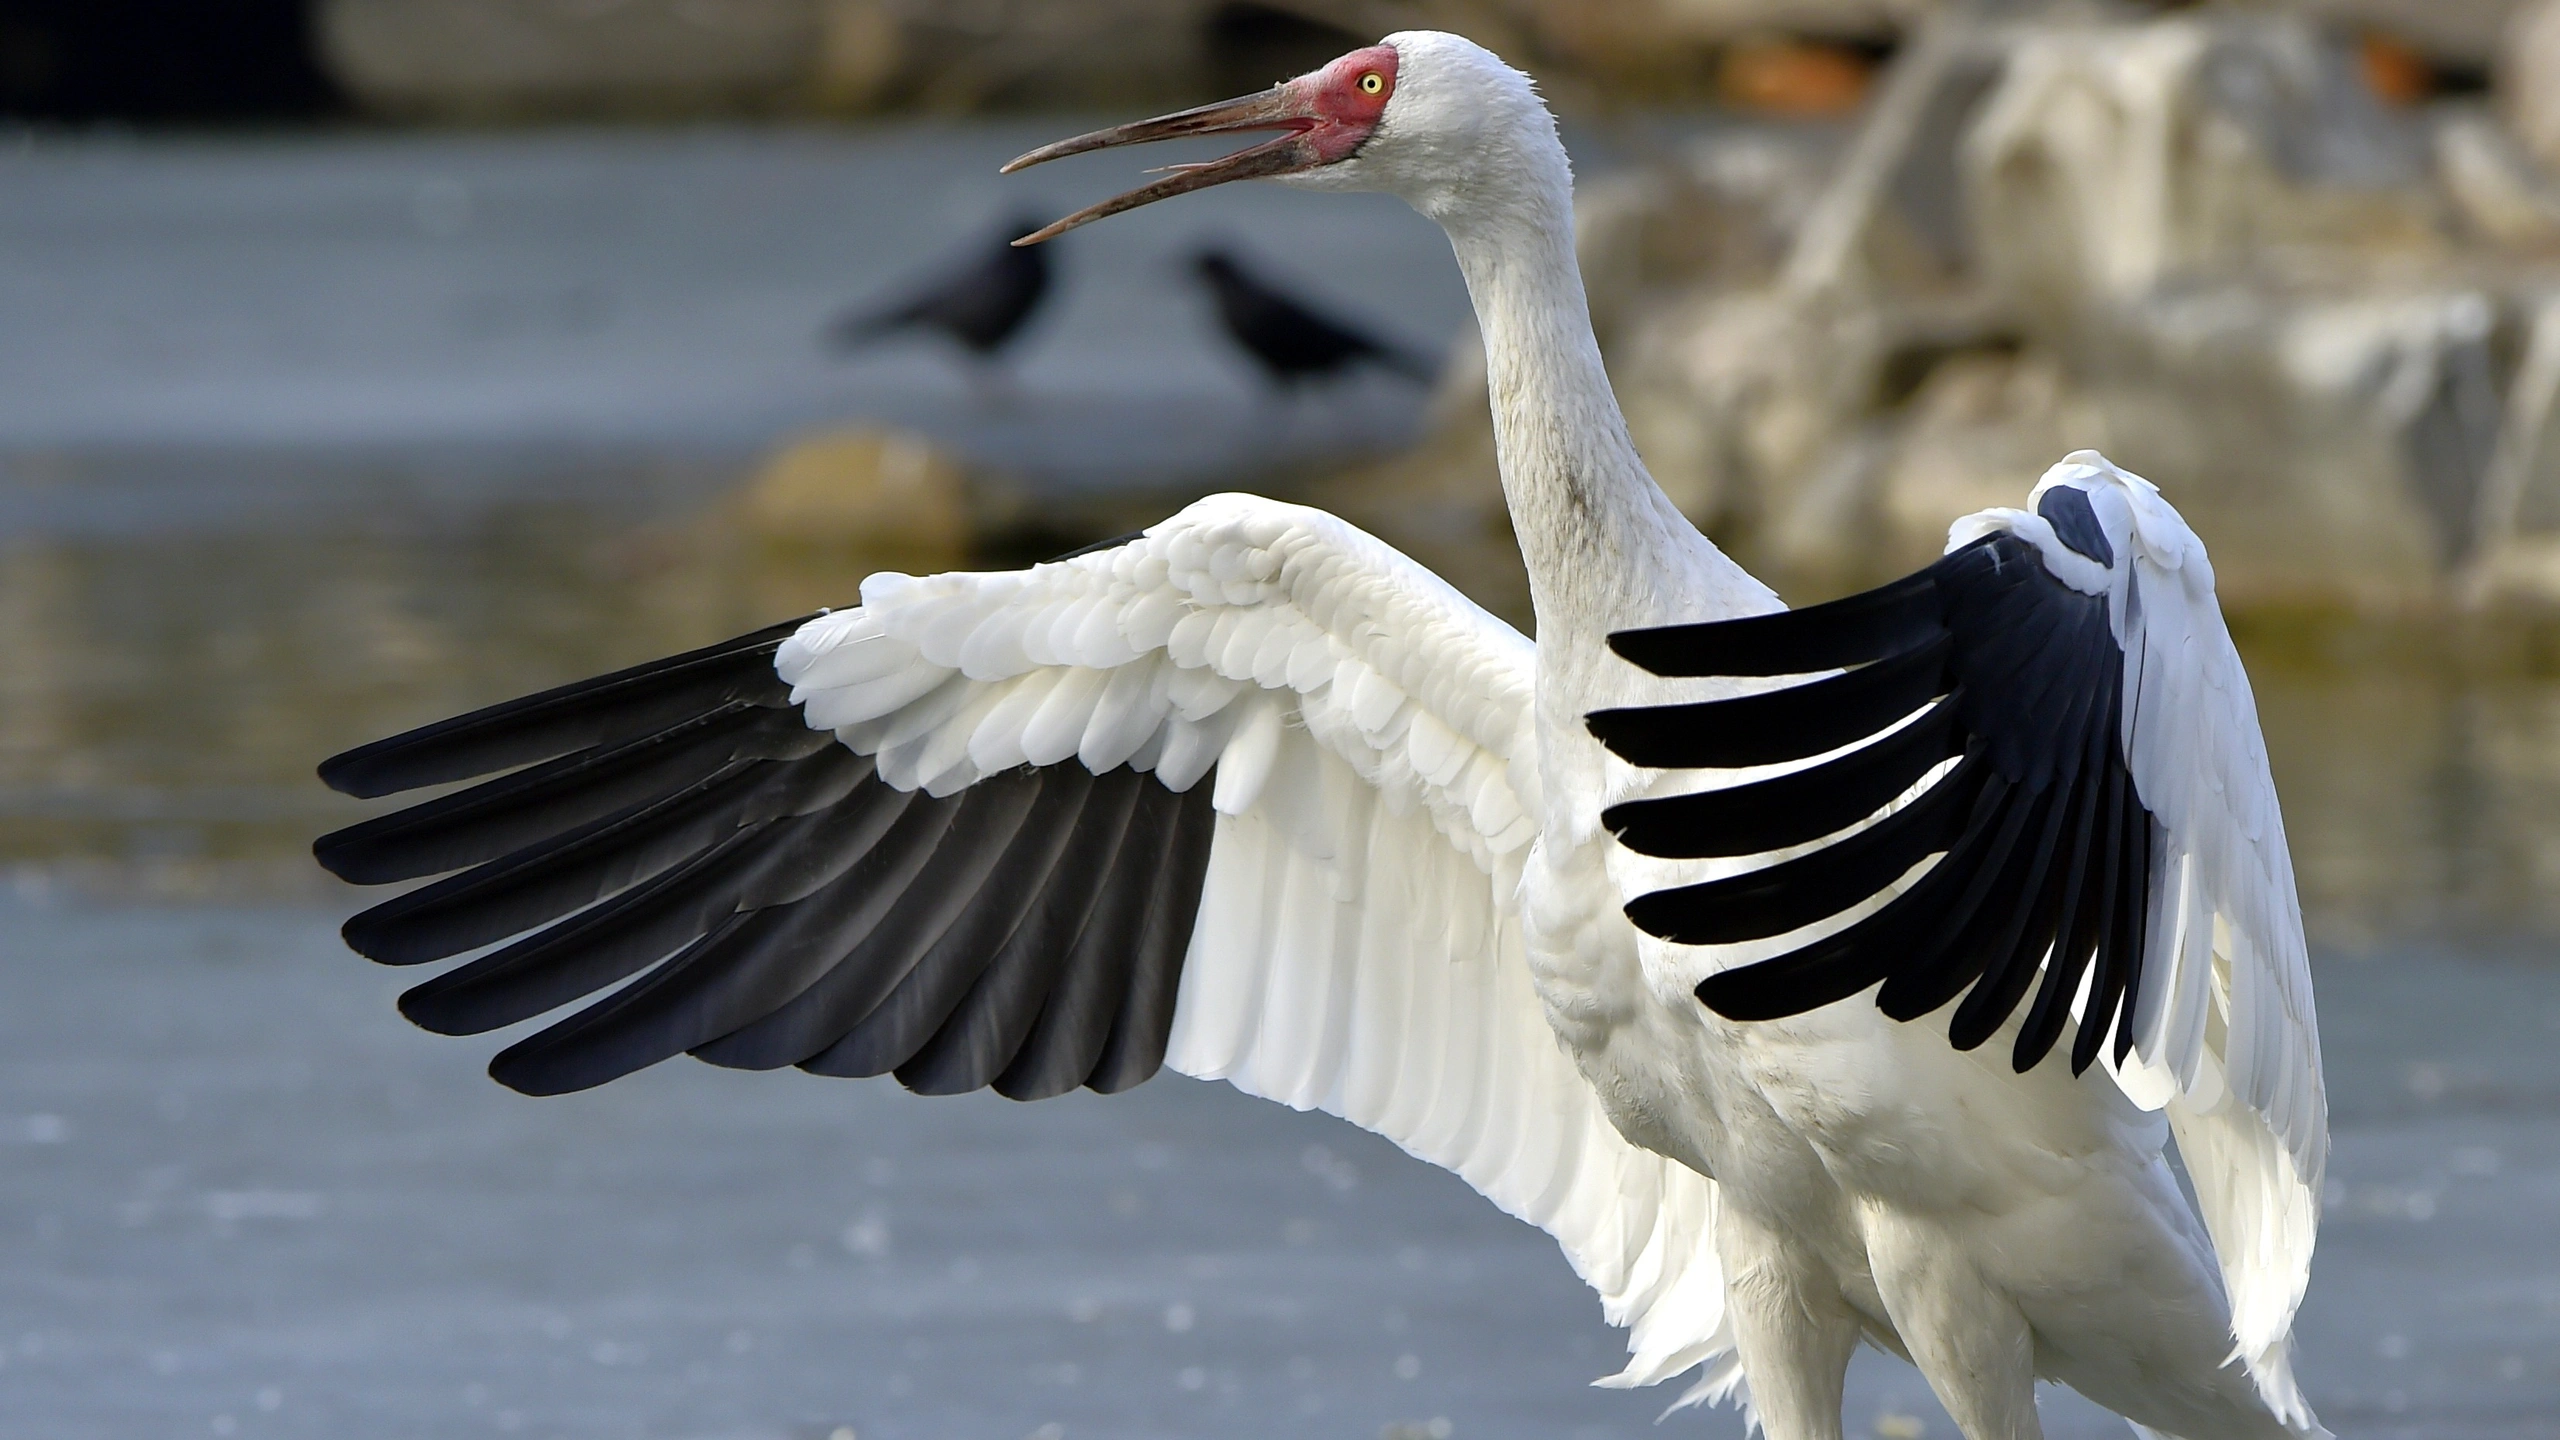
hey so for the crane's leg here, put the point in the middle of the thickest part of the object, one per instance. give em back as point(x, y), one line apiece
point(1968, 1339)
point(1794, 1331)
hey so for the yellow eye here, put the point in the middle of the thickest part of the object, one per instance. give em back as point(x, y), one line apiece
point(1372, 83)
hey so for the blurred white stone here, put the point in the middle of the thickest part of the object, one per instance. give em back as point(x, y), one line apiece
point(2528, 78)
point(2114, 160)
point(862, 486)
point(2248, 271)
point(1735, 395)
point(1671, 249)
point(2516, 552)
point(2196, 242)
point(1978, 423)
point(2496, 184)
point(1722, 209)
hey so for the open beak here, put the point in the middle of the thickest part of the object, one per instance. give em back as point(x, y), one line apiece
point(1285, 107)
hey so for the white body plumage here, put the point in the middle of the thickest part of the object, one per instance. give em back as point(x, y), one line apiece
point(1413, 911)
point(2028, 1224)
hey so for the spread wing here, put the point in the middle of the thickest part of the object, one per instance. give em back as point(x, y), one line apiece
point(2030, 775)
point(1247, 795)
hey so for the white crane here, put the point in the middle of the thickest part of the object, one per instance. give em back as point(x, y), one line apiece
point(1593, 922)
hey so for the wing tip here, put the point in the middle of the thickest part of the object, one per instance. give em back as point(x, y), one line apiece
point(349, 854)
point(436, 1008)
point(530, 1067)
point(1743, 1000)
point(361, 934)
point(342, 772)
point(328, 852)
point(1619, 731)
point(424, 755)
point(364, 772)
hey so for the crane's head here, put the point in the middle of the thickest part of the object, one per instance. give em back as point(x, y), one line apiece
point(1421, 114)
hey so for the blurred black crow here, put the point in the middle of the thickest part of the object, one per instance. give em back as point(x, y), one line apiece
point(1291, 340)
point(982, 300)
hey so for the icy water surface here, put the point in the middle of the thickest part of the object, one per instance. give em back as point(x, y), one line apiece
point(240, 1197)
point(305, 442)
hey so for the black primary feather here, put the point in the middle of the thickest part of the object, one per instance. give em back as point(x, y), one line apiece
point(2036, 845)
point(767, 897)
point(1775, 725)
point(1853, 630)
point(623, 705)
point(1791, 809)
point(989, 1026)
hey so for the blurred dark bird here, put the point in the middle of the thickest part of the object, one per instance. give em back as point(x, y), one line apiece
point(981, 300)
point(1290, 339)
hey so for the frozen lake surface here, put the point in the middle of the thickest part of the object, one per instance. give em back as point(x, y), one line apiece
point(240, 1197)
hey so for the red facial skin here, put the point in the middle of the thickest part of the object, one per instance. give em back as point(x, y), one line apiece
point(1344, 113)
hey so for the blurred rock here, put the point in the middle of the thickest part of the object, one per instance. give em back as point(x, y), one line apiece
point(1796, 56)
point(2501, 193)
point(884, 493)
point(2397, 72)
point(1738, 396)
point(829, 508)
point(499, 59)
point(2528, 78)
point(1596, 26)
point(2451, 32)
point(2115, 162)
point(1761, 397)
point(863, 53)
point(2197, 242)
point(1978, 422)
point(2240, 260)
point(1787, 76)
point(1720, 210)
point(2516, 555)
point(2251, 273)
point(1890, 219)
point(966, 56)
point(484, 59)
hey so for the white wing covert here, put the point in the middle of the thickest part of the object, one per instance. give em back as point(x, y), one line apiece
point(1247, 795)
point(2228, 1040)
point(2037, 764)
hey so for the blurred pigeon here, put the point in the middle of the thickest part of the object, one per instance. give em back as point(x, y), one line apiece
point(981, 300)
point(1290, 339)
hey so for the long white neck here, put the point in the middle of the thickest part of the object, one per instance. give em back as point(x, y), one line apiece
point(1468, 143)
point(1605, 548)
